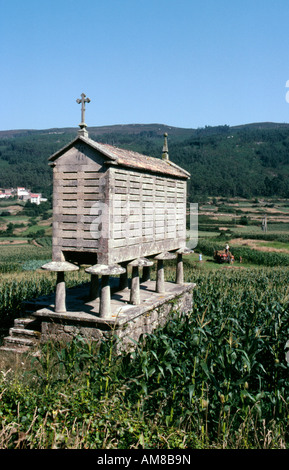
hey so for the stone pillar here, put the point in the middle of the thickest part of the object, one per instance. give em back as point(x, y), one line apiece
point(94, 280)
point(60, 267)
point(94, 287)
point(160, 280)
point(146, 274)
point(60, 293)
point(104, 305)
point(105, 295)
point(180, 269)
point(135, 282)
point(134, 289)
point(180, 264)
point(123, 278)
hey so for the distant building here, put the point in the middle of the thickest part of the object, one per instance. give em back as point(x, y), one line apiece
point(24, 194)
point(35, 198)
point(6, 193)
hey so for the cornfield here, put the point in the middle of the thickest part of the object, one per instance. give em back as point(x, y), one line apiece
point(255, 257)
point(216, 377)
point(15, 288)
point(14, 257)
point(223, 367)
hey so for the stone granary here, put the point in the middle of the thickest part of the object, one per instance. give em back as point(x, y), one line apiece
point(115, 211)
point(113, 205)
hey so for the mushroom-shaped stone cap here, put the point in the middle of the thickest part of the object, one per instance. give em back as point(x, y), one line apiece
point(60, 266)
point(96, 268)
point(165, 255)
point(106, 270)
point(184, 251)
point(141, 262)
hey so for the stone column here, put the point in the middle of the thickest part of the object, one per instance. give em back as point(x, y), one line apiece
point(60, 293)
point(123, 278)
point(104, 305)
point(180, 269)
point(94, 280)
point(105, 295)
point(135, 282)
point(94, 287)
point(134, 289)
point(60, 267)
point(180, 264)
point(146, 274)
point(160, 280)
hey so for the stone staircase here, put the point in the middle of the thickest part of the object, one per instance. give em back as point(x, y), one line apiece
point(23, 336)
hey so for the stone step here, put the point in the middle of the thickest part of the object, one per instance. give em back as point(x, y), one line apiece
point(18, 341)
point(24, 333)
point(15, 350)
point(25, 322)
point(23, 336)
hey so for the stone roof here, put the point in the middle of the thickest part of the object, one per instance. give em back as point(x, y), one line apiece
point(128, 158)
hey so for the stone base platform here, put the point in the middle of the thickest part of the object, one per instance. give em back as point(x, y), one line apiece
point(127, 321)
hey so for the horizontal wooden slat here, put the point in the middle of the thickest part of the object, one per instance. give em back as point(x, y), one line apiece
point(68, 197)
point(77, 168)
point(64, 234)
point(120, 190)
point(78, 243)
point(78, 193)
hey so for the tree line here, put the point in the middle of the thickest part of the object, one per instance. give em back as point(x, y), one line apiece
point(226, 161)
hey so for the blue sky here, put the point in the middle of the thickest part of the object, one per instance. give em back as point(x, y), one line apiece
point(184, 63)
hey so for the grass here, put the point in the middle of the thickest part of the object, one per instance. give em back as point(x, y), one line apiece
point(8, 240)
point(10, 202)
point(278, 245)
point(276, 228)
point(15, 218)
point(204, 234)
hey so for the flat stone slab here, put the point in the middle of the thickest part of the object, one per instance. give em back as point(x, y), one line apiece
point(184, 251)
point(121, 310)
point(60, 266)
point(141, 262)
point(165, 256)
point(105, 270)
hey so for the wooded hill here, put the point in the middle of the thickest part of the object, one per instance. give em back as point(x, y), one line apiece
point(243, 161)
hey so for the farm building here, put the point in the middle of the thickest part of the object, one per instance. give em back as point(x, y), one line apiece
point(112, 205)
point(116, 212)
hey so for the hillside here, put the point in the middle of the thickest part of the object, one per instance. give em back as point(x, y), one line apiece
point(245, 161)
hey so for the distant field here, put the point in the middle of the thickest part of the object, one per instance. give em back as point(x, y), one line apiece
point(236, 221)
point(219, 221)
point(18, 227)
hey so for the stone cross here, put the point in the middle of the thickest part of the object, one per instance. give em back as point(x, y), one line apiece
point(83, 100)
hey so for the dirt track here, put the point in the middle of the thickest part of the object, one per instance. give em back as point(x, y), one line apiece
point(255, 244)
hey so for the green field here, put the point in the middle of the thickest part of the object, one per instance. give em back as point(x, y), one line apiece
point(216, 378)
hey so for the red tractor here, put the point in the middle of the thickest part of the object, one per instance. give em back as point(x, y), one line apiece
point(223, 256)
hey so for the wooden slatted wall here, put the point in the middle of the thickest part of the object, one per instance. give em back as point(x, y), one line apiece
point(78, 191)
point(148, 214)
point(117, 213)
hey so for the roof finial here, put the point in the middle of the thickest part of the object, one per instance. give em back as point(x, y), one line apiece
point(165, 154)
point(82, 125)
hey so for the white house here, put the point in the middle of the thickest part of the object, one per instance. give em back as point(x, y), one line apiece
point(23, 193)
point(26, 195)
point(35, 198)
